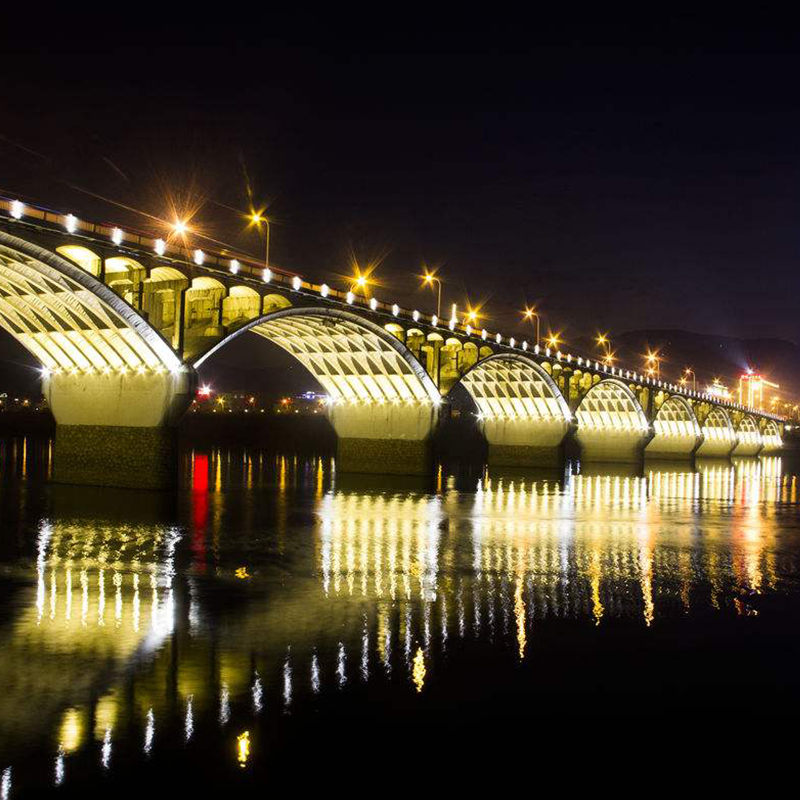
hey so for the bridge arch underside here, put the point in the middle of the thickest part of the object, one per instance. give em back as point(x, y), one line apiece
point(113, 384)
point(771, 438)
point(749, 441)
point(611, 424)
point(383, 405)
point(676, 432)
point(719, 436)
point(522, 413)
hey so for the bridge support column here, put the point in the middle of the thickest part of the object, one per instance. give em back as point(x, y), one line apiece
point(715, 447)
point(521, 442)
point(117, 430)
point(612, 445)
point(677, 447)
point(388, 438)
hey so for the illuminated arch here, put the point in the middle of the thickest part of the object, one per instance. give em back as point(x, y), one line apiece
point(85, 258)
point(240, 306)
point(167, 275)
point(771, 437)
point(355, 360)
point(515, 387)
point(718, 425)
point(69, 320)
point(719, 436)
point(748, 437)
point(611, 405)
point(676, 418)
point(274, 302)
point(124, 276)
point(676, 430)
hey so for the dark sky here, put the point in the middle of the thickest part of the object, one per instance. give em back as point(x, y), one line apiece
point(623, 176)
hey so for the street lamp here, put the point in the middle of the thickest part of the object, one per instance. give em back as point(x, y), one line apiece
point(257, 218)
point(689, 371)
point(530, 314)
point(654, 365)
point(553, 340)
point(428, 279)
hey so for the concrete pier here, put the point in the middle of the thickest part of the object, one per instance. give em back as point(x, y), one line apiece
point(118, 429)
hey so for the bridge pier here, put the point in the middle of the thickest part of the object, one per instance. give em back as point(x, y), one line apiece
point(384, 438)
point(745, 448)
point(525, 442)
point(676, 447)
point(715, 447)
point(117, 429)
point(612, 445)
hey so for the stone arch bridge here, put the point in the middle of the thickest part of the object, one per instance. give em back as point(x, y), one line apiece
point(120, 322)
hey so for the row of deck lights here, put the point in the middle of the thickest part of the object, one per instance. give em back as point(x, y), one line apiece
point(117, 235)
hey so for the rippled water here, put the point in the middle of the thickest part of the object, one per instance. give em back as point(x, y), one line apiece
point(273, 617)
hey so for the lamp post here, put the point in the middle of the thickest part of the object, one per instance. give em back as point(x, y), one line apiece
point(428, 280)
point(257, 219)
point(530, 314)
point(689, 371)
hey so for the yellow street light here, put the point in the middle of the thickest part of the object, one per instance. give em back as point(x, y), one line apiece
point(428, 279)
point(602, 339)
point(530, 314)
point(360, 280)
point(553, 340)
point(257, 218)
point(653, 364)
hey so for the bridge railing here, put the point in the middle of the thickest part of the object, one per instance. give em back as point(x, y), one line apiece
point(228, 263)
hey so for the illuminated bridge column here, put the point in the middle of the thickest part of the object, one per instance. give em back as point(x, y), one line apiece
point(523, 415)
point(612, 427)
point(387, 438)
point(117, 429)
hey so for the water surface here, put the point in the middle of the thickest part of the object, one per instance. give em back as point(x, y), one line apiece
point(273, 620)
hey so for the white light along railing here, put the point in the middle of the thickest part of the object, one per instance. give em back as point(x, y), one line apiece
point(248, 267)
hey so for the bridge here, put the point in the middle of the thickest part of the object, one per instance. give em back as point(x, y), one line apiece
point(120, 323)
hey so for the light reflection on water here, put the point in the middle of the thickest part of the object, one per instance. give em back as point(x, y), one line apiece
point(270, 582)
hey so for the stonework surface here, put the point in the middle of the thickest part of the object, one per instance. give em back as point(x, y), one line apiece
point(135, 458)
point(385, 456)
point(509, 455)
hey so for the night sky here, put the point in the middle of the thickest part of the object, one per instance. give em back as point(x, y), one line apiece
point(621, 177)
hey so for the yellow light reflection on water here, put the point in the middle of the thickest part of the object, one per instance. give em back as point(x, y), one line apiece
point(243, 748)
point(71, 731)
point(419, 669)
